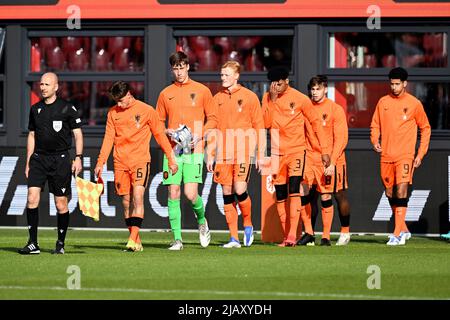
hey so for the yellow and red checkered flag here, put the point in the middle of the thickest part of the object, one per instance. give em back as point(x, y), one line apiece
point(89, 197)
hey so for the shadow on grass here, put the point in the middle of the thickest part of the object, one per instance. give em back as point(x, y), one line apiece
point(103, 247)
point(49, 251)
point(379, 240)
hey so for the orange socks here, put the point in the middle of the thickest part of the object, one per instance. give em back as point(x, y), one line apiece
point(245, 204)
point(137, 238)
point(294, 215)
point(134, 235)
point(345, 229)
point(232, 219)
point(281, 209)
point(327, 218)
point(400, 214)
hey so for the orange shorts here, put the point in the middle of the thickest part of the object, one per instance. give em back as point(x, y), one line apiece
point(137, 176)
point(226, 174)
point(283, 167)
point(314, 175)
point(309, 176)
point(393, 173)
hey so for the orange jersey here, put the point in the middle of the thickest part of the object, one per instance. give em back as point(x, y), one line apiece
point(334, 123)
point(395, 120)
point(129, 131)
point(187, 104)
point(285, 117)
point(313, 150)
point(240, 124)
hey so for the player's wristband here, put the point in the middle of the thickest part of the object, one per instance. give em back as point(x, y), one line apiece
point(79, 156)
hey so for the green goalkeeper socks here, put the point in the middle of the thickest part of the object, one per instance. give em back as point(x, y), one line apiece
point(175, 217)
point(199, 210)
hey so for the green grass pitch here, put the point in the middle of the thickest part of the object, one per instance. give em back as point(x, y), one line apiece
point(419, 270)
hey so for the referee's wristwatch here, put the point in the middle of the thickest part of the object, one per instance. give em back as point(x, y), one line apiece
point(79, 156)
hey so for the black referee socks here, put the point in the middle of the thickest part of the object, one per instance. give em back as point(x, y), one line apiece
point(33, 222)
point(63, 224)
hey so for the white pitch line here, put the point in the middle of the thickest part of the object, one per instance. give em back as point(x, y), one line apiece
point(210, 292)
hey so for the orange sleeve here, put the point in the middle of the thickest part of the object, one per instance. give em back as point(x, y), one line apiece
point(108, 141)
point(266, 111)
point(212, 135)
point(311, 115)
point(340, 133)
point(161, 108)
point(375, 126)
point(158, 130)
point(258, 125)
point(210, 112)
point(425, 130)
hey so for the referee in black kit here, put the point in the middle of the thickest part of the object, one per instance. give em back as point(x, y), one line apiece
point(49, 140)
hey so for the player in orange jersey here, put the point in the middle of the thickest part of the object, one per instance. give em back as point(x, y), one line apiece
point(129, 128)
point(186, 103)
point(240, 132)
point(395, 121)
point(308, 188)
point(285, 110)
point(331, 180)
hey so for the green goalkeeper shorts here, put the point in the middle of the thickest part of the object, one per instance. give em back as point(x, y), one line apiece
point(190, 169)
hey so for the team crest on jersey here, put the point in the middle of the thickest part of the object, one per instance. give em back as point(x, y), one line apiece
point(193, 95)
point(292, 106)
point(217, 174)
point(405, 110)
point(324, 118)
point(57, 125)
point(165, 175)
point(386, 179)
point(137, 118)
point(240, 102)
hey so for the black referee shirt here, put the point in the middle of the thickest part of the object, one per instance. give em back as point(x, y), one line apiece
point(52, 125)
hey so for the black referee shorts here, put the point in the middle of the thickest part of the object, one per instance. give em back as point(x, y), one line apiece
point(57, 169)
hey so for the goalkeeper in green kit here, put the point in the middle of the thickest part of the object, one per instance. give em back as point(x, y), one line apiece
point(186, 104)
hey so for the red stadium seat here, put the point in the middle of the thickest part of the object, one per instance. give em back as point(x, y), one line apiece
point(102, 61)
point(207, 60)
point(47, 44)
point(80, 91)
point(71, 44)
point(226, 43)
point(253, 62)
point(233, 56)
point(64, 90)
point(137, 89)
point(35, 58)
point(101, 43)
point(389, 61)
point(370, 61)
point(191, 56)
point(200, 43)
point(55, 59)
point(116, 44)
point(138, 46)
point(248, 43)
point(122, 61)
point(78, 60)
point(35, 93)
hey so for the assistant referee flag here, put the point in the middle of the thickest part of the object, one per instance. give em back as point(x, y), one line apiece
point(89, 197)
